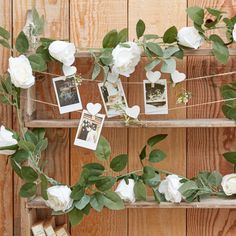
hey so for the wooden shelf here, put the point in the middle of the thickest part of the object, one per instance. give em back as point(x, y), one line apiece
point(187, 123)
point(39, 203)
point(189, 52)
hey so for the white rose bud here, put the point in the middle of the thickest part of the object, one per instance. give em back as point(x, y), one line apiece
point(125, 59)
point(229, 184)
point(20, 72)
point(6, 140)
point(170, 188)
point(126, 191)
point(59, 198)
point(189, 37)
point(63, 52)
point(234, 33)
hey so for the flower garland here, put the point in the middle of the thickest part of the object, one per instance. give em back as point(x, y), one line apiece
point(118, 56)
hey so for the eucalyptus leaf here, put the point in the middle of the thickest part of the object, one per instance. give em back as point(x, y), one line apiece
point(155, 48)
point(140, 28)
point(119, 163)
point(170, 51)
point(82, 203)
point(96, 71)
point(97, 201)
point(77, 192)
point(169, 66)
point(152, 65)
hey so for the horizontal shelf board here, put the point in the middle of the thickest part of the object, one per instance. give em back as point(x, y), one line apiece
point(190, 52)
point(204, 203)
point(187, 123)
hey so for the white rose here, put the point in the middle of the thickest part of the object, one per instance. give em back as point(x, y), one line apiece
point(59, 198)
point(21, 72)
point(63, 52)
point(125, 59)
point(6, 140)
point(234, 33)
point(126, 191)
point(229, 184)
point(189, 37)
point(170, 188)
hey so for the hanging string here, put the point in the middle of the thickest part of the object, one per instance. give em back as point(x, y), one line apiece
point(189, 79)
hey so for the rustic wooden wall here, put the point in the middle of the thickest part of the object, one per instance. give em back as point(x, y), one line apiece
point(85, 22)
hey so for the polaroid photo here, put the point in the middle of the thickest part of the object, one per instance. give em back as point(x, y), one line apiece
point(67, 93)
point(155, 97)
point(113, 94)
point(89, 130)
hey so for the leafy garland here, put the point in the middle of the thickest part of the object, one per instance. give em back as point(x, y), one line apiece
point(94, 188)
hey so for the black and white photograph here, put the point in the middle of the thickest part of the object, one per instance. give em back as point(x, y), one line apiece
point(67, 93)
point(89, 130)
point(113, 96)
point(155, 97)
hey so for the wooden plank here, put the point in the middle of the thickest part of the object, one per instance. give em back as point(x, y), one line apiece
point(206, 146)
point(6, 178)
point(57, 26)
point(90, 21)
point(188, 123)
point(188, 52)
point(158, 17)
point(210, 203)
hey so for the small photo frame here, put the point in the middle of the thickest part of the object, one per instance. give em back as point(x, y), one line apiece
point(155, 97)
point(89, 130)
point(113, 94)
point(67, 93)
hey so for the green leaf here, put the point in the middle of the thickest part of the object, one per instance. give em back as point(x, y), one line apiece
point(229, 112)
point(140, 28)
point(82, 203)
point(179, 54)
point(143, 153)
point(215, 12)
point(156, 156)
point(86, 210)
point(153, 182)
point(156, 139)
point(221, 52)
point(4, 43)
point(27, 146)
point(111, 39)
point(22, 43)
point(31, 137)
point(4, 33)
point(151, 36)
point(28, 190)
point(230, 157)
point(150, 177)
point(103, 151)
point(140, 191)
point(37, 62)
point(39, 132)
point(170, 36)
point(105, 183)
point(188, 188)
point(169, 66)
point(75, 217)
point(38, 22)
point(196, 14)
point(77, 192)
point(41, 146)
point(113, 201)
point(94, 166)
point(44, 187)
point(215, 179)
point(97, 201)
point(170, 51)
point(13, 147)
point(29, 174)
point(155, 48)
point(96, 71)
point(106, 57)
point(152, 65)
point(16, 167)
point(119, 163)
point(159, 197)
point(123, 35)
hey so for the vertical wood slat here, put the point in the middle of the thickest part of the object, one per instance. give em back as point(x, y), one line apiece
point(206, 146)
point(57, 26)
point(158, 17)
point(90, 20)
point(6, 176)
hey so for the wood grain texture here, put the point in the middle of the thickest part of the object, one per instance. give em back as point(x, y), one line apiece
point(90, 21)
point(56, 13)
point(6, 178)
point(206, 146)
